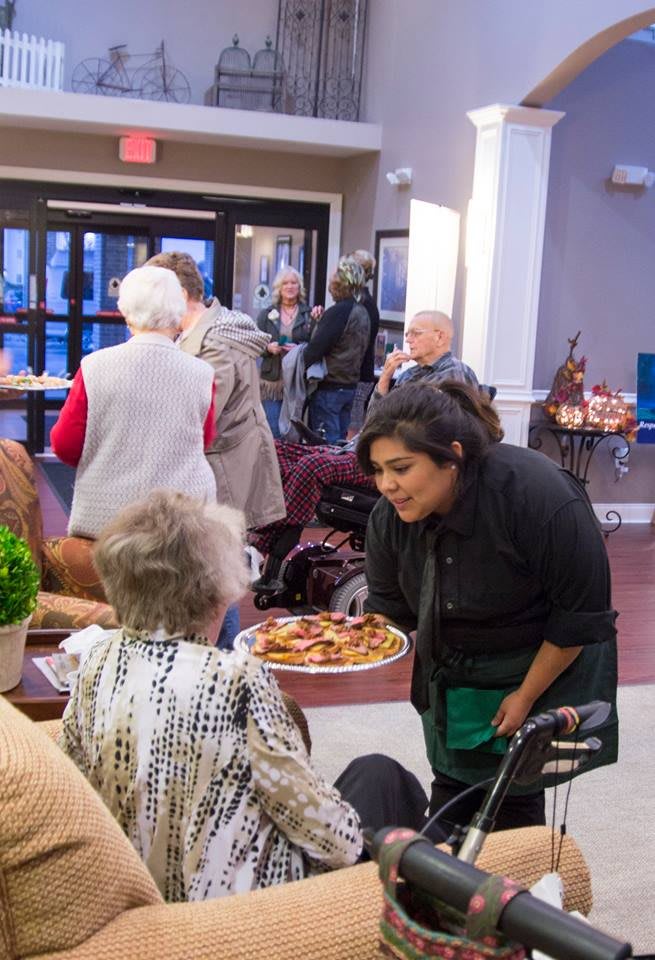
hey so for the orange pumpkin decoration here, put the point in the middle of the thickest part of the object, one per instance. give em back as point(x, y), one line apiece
point(571, 416)
point(607, 412)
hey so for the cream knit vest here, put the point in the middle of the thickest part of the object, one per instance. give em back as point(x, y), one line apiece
point(147, 404)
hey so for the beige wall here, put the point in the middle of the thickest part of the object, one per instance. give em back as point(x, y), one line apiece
point(428, 63)
point(86, 152)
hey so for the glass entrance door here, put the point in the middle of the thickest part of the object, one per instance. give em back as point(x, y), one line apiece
point(84, 265)
point(260, 253)
point(63, 256)
point(260, 240)
point(17, 300)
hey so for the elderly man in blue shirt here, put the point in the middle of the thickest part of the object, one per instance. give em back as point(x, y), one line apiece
point(429, 335)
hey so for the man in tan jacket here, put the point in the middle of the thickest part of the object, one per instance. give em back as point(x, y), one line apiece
point(243, 454)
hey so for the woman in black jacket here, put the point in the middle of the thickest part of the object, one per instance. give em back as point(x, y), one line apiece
point(493, 554)
point(341, 340)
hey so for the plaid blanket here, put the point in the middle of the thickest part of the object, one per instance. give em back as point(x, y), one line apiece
point(305, 470)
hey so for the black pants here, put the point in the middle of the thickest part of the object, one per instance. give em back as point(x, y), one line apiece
point(383, 793)
point(528, 810)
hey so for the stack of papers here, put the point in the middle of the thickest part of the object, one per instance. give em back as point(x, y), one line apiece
point(61, 668)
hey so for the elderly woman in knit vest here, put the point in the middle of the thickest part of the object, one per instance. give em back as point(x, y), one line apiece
point(140, 414)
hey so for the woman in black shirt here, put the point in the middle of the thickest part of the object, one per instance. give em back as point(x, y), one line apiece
point(493, 554)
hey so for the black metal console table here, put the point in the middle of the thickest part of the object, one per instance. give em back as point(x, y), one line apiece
point(576, 449)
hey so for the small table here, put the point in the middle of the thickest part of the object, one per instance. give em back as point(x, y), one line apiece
point(576, 448)
point(34, 695)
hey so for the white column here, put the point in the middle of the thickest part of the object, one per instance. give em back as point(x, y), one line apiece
point(504, 245)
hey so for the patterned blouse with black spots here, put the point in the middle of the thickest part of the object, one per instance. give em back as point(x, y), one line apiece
point(194, 753)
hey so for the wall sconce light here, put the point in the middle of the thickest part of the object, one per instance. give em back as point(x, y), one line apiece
point(400, 177)
point(628, 176)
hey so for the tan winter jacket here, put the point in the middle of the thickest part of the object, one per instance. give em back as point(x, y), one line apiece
point(243, 454)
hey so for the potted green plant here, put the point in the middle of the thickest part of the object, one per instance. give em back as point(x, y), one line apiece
point(19, 585)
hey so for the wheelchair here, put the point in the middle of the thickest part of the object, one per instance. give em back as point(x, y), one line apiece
point(321, 575)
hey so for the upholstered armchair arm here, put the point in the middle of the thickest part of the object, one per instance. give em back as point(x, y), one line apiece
point(57, 612)
point(334, 915)
point(68, 568)
point(52, 728)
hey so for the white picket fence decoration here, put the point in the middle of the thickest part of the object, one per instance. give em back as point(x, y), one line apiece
point(31, 61)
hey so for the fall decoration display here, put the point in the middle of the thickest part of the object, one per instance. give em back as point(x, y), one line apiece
point(568, 386)
point(606, 411)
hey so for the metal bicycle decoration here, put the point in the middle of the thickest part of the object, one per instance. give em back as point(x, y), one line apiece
point(155, 79)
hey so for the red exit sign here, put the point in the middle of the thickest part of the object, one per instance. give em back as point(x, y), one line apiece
point(137, 149)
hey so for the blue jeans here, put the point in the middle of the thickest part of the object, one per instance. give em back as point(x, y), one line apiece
point(272, 409)
point(229, 628)
point(330, 410)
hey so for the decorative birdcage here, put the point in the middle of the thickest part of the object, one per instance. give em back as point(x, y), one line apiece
point(322, 44)
point(231, 77)
point(267, 77)
point(245, 85)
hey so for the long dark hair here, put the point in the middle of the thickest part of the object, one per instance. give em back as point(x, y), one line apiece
point(427, 418)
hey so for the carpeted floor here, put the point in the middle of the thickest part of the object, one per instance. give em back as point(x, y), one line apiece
point(609, 808)
point(60, 479)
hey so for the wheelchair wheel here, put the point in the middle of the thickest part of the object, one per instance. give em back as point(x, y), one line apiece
point(349, 597)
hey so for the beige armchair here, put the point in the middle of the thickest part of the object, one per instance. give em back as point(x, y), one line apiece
point(71, 593)
point(73, 888)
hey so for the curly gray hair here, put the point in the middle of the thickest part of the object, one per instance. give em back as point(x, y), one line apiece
point(172, 561)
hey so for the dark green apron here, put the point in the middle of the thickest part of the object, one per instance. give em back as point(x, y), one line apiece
point(591, 676)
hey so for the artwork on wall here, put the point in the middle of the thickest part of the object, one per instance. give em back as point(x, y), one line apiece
point(390, 292)
point(282, 252)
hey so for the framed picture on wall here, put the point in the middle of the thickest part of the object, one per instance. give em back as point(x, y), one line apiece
point(390, 291)
point(282, 252)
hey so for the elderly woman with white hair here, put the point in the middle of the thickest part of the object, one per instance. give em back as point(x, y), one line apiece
point(139, 414)
point(289, 321)
point(193, 749)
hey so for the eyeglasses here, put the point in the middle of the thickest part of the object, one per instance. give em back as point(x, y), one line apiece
point(415, 333)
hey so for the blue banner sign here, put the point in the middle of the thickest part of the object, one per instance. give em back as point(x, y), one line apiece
point(646, 397)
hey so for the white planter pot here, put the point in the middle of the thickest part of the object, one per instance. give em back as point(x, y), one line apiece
point(12, 649)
